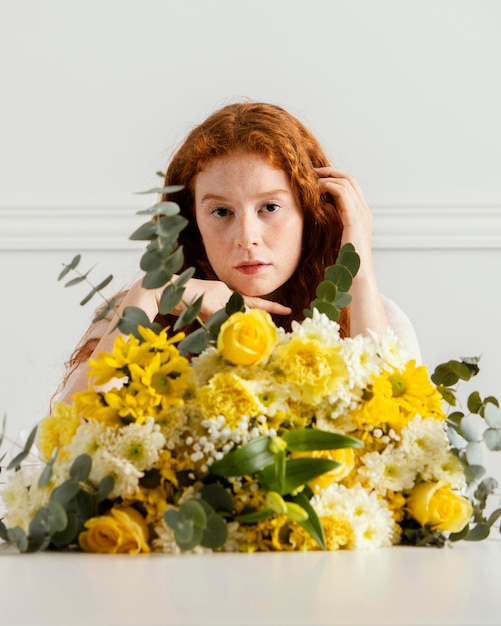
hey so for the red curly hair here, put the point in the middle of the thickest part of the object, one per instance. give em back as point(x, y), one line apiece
point(272, 132)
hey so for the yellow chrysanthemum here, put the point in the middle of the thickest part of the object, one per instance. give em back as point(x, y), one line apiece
point(58, 429)
point(317, 370)
point(415, 393)
point(338, 534)
point(106, 366)
point(228, 395)
point(397, 397)
point(91, 405)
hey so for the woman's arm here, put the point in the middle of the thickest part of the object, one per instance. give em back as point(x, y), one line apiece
point(367, 310)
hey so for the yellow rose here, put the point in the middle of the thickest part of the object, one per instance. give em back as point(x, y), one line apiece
point(344, 456)
point(437, 506)
point(120, 531)
point(247, 338)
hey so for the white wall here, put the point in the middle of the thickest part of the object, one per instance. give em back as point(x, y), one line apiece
point(95, 96)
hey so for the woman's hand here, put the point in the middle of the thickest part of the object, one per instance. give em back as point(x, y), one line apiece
point(367, 311)
point(216, 295)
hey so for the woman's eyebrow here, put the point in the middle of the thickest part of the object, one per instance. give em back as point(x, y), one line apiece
point(262, 194)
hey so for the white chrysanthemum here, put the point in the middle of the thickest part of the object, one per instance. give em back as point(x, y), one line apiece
point(173, 422)
point(207, 364)
point(362, 360)
point(424, 441)
point(91, 437)
point(448, 468)
point(371, 520)
point(140, 444)
point(387, 470)
point(335, 417)
point(124, 473)
point(391, 350)
point(272, 395)
point(319, 328)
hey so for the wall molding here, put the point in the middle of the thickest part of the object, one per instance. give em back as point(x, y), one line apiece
point(79, 228)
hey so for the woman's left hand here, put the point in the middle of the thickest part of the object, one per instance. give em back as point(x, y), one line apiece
point(352, 208)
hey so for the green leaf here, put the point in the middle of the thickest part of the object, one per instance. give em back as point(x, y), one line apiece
point(189, 314)
point(342, 300)
point(67, 536)
point(151, 260)
point(80, 468)
point(479, 532)
point(76, 281)
point(235, 304)
point(492, 415)
point(194, 343)
point(247, 459)
point(105, 488)
point(486, 488)
point(71, 266)
point(170, 227)
point(297, 473)
point(162, 190)
point(327, 308)
point(469, 428)
point(254, 516)
point(104, 312)
point(65, 492)
point(146, 232)
point(156, 278)
point(312, 524)
point(492, 438)
point(18, 459)
point(474, 453)
point(217, 497)
point(327, 291)
point(306, 439)
point(473, 472)
point(449, 373)
point(166, 208)
point(170, 298)
point(340, 276)
point(474, 402)
point(175, 261)
point(18, 536)
point(183, 278)
point(215, 533)
point(132, 317)
point(46, 474)
point(348, 257)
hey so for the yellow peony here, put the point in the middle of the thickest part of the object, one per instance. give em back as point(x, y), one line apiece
point(437, 506)
point(57, 430)
point(120, 531)
point(317, 370)
point(247, 338)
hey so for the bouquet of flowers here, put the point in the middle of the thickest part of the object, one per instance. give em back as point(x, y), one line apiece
point(243, 437)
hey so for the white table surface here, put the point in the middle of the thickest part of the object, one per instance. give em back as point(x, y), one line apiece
point(399, 585)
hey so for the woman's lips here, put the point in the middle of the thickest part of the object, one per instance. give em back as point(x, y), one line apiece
point(251, 267)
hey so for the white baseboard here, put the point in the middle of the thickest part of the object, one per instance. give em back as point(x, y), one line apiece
point(108, 228)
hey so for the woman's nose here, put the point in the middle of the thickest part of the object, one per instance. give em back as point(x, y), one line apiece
point(248, 233)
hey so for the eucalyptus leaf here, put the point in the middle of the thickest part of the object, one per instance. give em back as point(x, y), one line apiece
point(106, 310)
point(171, 226)
point(486, 488)
point(46, 474)
point(349, 258)
point(105, 488)
point(215, 533)
point(166, 208)
point(71, 266)
point(327, 290)
point(189, 314)
point(80, 468)
point(132, 317)
point(492, 438)
point(162, 190)
point(151, 260)
point(145, 232)
point(156, 278)
point(474, 402)
point(235, 304)
point(76, 281)
point(340, 276)
point(342, 300)
point(18, 536)
point(327, 308)
point(479, 532)
point(469, 428)
point(473, 472)
point(65, 492)
point(68, 535)
point(492, 415)
point(474, 454)
point(170, 298)
point(18, 459)
point(217, 497)
point(175, 261)
point(104, 283)
point(194, 343)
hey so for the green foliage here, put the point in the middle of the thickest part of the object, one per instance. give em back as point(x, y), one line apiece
point(332, 293)
point(469, 433)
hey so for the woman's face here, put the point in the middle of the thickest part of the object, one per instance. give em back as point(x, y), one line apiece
point(250, 221)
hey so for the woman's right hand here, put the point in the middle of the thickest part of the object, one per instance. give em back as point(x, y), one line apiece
point(216, 295)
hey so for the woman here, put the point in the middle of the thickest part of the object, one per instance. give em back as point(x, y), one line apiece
point(267, 214)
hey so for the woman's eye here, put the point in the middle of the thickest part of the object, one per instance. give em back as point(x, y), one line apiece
point(220, 212)
point(271, 207)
